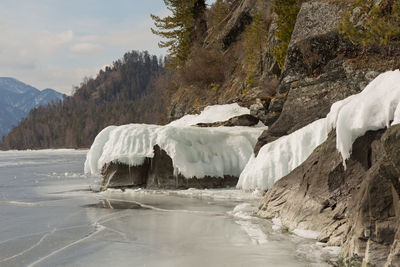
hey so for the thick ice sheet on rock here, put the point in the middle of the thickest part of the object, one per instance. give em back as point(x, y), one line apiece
point(280, 157)
point(195, 152)
point(372, 109)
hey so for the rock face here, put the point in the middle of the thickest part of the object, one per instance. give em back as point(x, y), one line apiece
point(157, 173)
point(317, 73)
point(227, 36)
point(357, 208)
point(237, 23)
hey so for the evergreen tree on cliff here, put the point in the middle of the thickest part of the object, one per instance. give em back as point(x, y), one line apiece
point(181, 28)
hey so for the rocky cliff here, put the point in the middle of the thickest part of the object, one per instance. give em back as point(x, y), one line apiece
point(356, 208)
point(321, 68)
point(226, 45)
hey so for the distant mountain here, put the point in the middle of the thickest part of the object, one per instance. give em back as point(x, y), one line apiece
point(17, 99)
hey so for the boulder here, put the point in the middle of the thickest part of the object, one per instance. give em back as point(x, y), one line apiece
point(161, 175)
point(242, 120)
point(157, 173)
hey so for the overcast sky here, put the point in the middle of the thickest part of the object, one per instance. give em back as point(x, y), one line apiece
point(55, 43)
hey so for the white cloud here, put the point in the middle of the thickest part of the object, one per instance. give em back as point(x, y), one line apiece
point(52, 41)
point(44, 47)
point(86, 48)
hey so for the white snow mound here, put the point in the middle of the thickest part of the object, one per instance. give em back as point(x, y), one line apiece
point(212, 114)
point(195, 152)
point(374, 108)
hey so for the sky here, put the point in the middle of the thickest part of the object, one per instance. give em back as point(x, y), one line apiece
point(56, 43)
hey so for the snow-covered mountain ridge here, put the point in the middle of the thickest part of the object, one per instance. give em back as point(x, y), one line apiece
point(18, 98)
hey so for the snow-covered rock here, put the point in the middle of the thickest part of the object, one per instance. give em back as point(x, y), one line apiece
point(280, 157)
point(212, 114)
point(195, 152)
point(376, 107)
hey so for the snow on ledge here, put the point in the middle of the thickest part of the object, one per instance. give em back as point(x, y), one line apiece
point(195, 152)
point(212, 114)
point(372, 109)
point(308, 234)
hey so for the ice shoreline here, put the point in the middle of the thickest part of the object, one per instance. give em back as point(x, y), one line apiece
point(244, 213)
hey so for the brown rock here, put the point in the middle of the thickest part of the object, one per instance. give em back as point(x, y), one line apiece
point(242, 120)
point(161, 175)
point(157, 173)
point(120, 175)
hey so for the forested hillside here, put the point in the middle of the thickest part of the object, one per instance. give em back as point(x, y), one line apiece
point(127, 91)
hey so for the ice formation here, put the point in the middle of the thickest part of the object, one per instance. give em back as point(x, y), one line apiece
point(376, 107)
point(280, 157)
point(195, 152)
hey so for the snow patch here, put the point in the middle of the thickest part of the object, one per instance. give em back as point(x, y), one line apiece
point(306, 233)
point(244, 216)
point(374, 108)
point(244, 211)
point(277, 224)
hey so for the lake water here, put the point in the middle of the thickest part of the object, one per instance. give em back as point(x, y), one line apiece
point(50, 217)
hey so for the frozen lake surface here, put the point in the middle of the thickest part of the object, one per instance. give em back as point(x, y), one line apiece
point(49, 217)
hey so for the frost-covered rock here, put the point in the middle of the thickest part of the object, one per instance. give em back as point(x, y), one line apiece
point(195, 152)
point(376, 107)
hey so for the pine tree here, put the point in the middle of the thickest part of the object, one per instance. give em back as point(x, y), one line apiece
point(178, 28)
point(219, 11)
point(286, 11)
point(256, 35)
point(381, 23)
